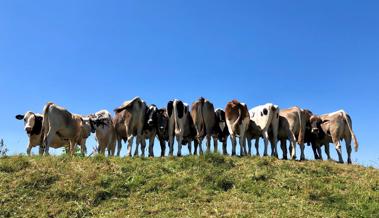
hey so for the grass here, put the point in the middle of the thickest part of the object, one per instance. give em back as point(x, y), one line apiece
point(210, 186)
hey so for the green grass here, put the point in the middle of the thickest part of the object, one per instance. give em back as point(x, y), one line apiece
point(210, 186)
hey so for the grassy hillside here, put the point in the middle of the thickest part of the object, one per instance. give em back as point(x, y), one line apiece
point(211, 186)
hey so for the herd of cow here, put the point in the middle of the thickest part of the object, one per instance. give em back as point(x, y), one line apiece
point(57, 127)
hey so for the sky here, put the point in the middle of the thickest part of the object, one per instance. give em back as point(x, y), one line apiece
point(92, 55)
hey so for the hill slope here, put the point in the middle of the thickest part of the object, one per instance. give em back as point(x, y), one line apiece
point(190, 186)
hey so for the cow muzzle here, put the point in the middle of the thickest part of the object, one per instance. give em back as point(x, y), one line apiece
point(28, 130)
point(150, 122)
point(314, 130)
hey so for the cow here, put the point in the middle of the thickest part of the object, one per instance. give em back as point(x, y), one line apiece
point(129, 122)
point(162, 129)
point(105, 134)
point(150, 128)
point(237, 120)
point(221, 129)
point(292, 126)
point(34, 130)
point(71, 127)
point(180, 126)
point(331, 128)
point(204, 118)
point(264, 119)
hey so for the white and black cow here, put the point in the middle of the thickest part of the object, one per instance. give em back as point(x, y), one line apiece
point(180, 126)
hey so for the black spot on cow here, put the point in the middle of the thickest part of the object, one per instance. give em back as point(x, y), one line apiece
point(37, 128)
point(180, 109)
point(261, 114)
point(170, 106)
point(265, 111)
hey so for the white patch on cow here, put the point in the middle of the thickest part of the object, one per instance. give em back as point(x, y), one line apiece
point(222, 126)
point(262, 121)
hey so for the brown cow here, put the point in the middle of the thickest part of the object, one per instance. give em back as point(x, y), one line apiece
point(72, 127)
point(129, 121)
point(292, 126)
point(237, 120)
point(204, 118)
point(331, 128)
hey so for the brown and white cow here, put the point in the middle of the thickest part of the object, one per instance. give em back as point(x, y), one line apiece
point(264, 119)
point(59, 122)
point(129, 121)
point(105, 134)
point(34, 130)
point(162, 129)
point(204, 118)
point(237, 120)
point(180, 126)
point(222, 129)
point(331, 128)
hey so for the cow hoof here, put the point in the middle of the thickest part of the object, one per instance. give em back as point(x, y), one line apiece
point(179, 155)
point(348, 161)
point(285, 158)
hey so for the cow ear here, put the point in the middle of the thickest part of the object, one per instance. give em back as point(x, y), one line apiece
point(324, 121)
point(19, 117)
point(169, 108)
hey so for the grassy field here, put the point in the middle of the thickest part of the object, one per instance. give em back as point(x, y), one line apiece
point(210, 186)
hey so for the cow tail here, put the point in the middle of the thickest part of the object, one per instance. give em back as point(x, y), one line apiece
point(300, 138)
point(351, 131)
point(45, 123)
point(238, 120)
point(201, 114)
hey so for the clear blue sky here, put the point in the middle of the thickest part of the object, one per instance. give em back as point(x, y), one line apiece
point(90, 55)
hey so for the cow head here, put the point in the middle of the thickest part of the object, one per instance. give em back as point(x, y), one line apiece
point(32, 122)
point(151, 115)
point(315, 122)
point(220, 117)
point(162, 120)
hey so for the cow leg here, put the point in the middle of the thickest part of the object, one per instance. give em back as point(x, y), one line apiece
point(171, 145)
point(257, 146)
point(72, 147)
point(29, 149)
point(273, 142)
point(141, 142)
point(208, 138)
point(224, 151)
point(348, 149)
point(249, 146)
point(243, 144)
point(302, 155)
point(327, 151)
point(151, 145)
point(189, 147)
point(234, 143)
point(319, 152)
point(337, 143)
point(293, 146)
point(283, 146)
point(49, 138)
point(195, 145)
point(179, 140)
point(129, 149)
point(40, 150)
point(265, 139)
point(163, 147)
point(315, 151)
point(215, 144)
point(119, 146)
